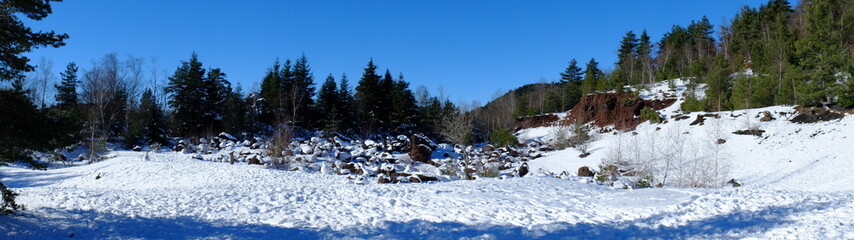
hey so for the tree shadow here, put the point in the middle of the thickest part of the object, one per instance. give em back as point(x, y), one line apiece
point(61, 224)
point(24, 179)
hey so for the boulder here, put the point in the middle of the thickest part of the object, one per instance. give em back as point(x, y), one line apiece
point(754, 132)
point(426, 178)
point(812, 115)
point(585, 172)
point(734, 183)
point(420, 149)
point(766, 117)
point(720, 141)
point(488, 148)
point(382, 178)
point(254, 160)
point(701, 118)
point(522, 170)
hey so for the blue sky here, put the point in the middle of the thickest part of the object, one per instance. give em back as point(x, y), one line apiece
point(471, 49)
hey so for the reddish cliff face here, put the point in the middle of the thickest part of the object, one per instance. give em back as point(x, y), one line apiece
point(618, 109)
point(535, 121)
point(603, 109)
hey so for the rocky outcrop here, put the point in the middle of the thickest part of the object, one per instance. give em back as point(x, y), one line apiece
point(812, 115)
point(585, 172)
point(534, 121)
point(618, 109)
point(420, 150)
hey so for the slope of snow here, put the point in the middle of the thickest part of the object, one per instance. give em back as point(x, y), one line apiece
point(788, 156)
point(797, 185)
point(174, 196)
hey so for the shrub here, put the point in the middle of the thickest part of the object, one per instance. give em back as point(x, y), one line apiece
point(645, 181)
point(580, 135)
point(450, 168)
point(562, 137)
point(692, 104)
point(8, 206)
point(502, 137)
point(648, 114)
point(490, 170)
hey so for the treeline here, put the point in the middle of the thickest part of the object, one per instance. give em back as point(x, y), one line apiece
point(775, 54)
point(108, 103)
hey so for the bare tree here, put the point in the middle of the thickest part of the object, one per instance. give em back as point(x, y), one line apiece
point(717, 165)
point(41, 79)
point(457, 127)
point(107, 88)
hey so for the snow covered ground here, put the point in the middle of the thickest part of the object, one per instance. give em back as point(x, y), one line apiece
point(175, 196)
point(797, 185)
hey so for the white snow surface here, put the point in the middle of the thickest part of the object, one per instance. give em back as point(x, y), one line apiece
point(797, 185)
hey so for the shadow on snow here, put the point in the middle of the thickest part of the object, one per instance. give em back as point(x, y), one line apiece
point(60, 224)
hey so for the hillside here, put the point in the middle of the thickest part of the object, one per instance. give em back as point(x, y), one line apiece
point(795, 185)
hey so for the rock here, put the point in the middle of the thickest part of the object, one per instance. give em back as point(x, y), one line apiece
point(388, 170)
point(382, 178)
point(585, 172)
point(701, 118)
point(414, 179)
point(137, 148)
point(812, 115)
point(754, 132)
point(720, 141)
point(681, 117)
point(584, 155)
point(420, 149)
point(426, 178)
point(513, 152)
point(488, 148)
point(353, 168)
point(98, 177)
point(254, 160)
point(734, 183)
point(522, 170)
point(766, 117)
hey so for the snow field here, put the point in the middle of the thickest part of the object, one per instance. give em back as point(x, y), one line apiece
point(227, 199)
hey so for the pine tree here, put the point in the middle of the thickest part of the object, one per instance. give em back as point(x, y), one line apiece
point(328, 104)
point(66, 91)
point(216, 90)
point(592, 77)
point(405, 114)
point(626, 58)
point(238, 115)
point(271, 95)
point(821, 52)
point(367, 92)
point(197, 98)
point(19, 39)
point(718, 89)
point(299, 92)
point(24, 128)
point(348, 105)
point(572, 72)
point(155, 122)
point(148, 124)
point(572, 95)
point(741, 98)
point(645, 61)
